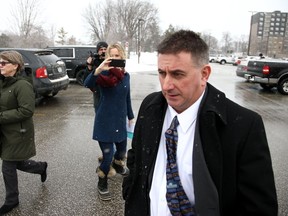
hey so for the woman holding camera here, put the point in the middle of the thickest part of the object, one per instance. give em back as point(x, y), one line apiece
point(113, 110)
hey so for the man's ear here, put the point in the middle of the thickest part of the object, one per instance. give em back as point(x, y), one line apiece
point(206, 71)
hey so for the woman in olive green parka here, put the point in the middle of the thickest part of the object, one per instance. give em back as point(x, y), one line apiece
point(17, 104)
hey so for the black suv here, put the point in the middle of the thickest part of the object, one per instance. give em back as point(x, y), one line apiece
point(47, 70)
point(75, 57)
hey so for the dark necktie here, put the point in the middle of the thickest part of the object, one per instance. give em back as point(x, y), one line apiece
point(177, 199)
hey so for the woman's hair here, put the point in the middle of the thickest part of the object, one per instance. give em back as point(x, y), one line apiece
point(117, 46)
point(185, 41)
point(13, 57)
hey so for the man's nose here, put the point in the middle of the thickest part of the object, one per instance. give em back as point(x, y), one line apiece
point(167, 83)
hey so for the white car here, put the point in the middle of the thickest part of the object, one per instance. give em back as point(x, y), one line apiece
point(226, 59)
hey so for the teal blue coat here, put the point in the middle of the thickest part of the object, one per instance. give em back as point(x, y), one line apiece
point(114, 108)
point(17, 104)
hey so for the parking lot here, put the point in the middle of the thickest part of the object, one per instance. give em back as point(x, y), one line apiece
point(63, 135)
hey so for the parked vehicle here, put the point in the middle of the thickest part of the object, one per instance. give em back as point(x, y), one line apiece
point(237, 60)
point(242, 65)
point(225, 59)
point(75, 57)
point(269, 73)
point(48, 71)
point(212, 57)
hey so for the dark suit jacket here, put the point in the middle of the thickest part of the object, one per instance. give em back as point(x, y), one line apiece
point(235, 149)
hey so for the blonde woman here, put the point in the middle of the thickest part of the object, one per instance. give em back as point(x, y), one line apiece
point(113, 110)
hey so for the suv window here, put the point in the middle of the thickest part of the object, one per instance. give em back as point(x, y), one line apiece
point(64, 53)
point(48, 58)
point(75, 57)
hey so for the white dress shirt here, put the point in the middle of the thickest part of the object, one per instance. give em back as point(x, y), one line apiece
point(186, 131)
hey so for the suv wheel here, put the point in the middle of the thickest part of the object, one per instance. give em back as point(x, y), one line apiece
point(80, 76)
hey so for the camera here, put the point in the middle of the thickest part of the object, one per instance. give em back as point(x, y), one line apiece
point(117, 63)
point(96, 55)
point(96, 58)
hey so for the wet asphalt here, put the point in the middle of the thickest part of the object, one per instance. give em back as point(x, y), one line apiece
point(63, 134)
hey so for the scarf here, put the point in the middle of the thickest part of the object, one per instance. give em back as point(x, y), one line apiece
point(115, 75)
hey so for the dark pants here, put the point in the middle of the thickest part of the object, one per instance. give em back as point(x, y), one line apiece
point(107, 149)
point(9, 170)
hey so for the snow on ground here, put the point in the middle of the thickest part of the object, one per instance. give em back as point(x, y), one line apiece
point(147, 62)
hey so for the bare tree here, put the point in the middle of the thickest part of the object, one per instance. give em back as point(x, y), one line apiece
point(72, 40)
point(134, 14)
point(227, 42)
point(120, 20)
point(25, 14)
point(211, 41)
point(25, 25)
point(99, 19)
point(4, 40)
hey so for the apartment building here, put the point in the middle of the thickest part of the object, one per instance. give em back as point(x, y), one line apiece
point(269, 34)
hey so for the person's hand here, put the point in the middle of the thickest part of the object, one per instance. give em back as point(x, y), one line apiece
point(89, 60)
point(89, 63)
point(130, 122)
point(103, 66)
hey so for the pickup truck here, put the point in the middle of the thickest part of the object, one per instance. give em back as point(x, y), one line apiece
point(223, 59)
point(269, 73)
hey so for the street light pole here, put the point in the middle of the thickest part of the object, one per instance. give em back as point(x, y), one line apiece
point(139, 39)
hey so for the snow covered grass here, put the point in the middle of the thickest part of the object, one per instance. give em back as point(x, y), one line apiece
point(147, 62)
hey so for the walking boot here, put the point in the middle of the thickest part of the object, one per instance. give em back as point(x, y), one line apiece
point(103, 191)
point(111, 173)
point(120, 167)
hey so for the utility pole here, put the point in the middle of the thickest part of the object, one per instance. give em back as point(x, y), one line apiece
point(139, 39)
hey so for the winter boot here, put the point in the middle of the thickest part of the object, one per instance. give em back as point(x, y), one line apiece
point(120, 167)
point(111, 173)
point(103, 191)
point(100, 159)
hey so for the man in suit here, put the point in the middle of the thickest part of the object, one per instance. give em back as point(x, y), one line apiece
point(223, 162)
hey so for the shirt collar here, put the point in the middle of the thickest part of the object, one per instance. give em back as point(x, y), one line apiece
point(188, 117)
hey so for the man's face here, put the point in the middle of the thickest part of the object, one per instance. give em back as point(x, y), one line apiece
point(182, 80)
point(101, 51)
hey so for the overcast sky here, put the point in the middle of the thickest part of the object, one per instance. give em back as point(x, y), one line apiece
point(214, 17)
